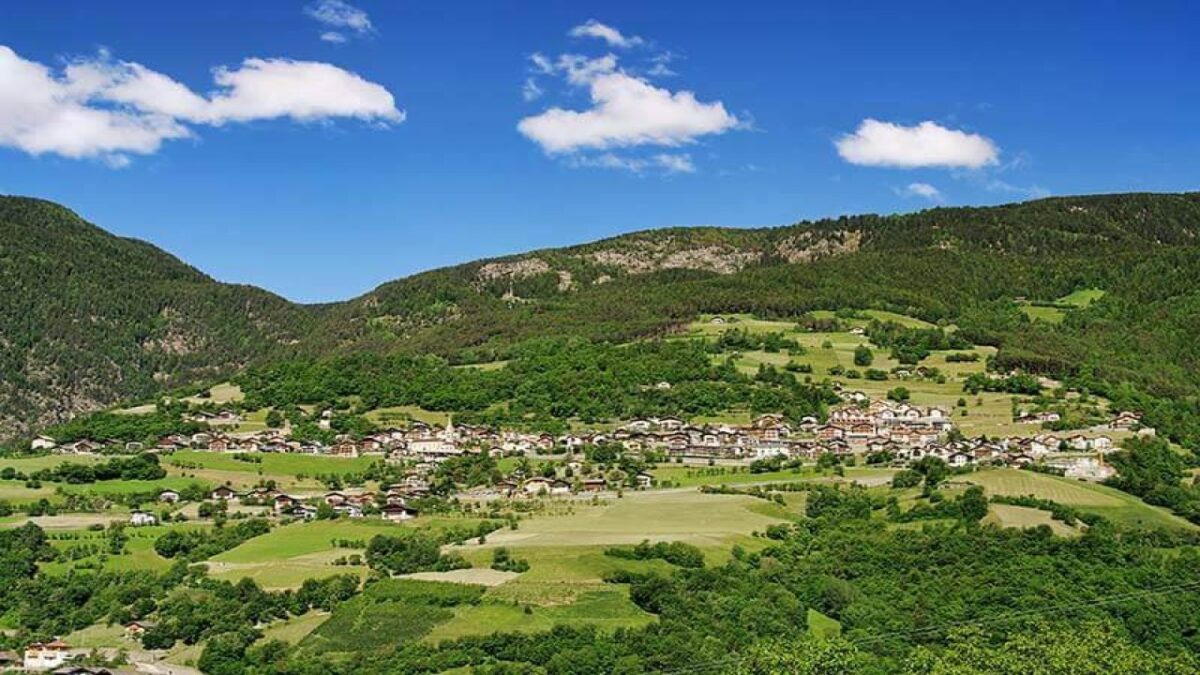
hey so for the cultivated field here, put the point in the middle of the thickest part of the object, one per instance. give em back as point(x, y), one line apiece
point(1117, 506)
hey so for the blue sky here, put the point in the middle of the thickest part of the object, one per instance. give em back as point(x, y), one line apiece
point(373, 140)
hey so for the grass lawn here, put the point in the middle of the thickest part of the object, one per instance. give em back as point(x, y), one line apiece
point(1119, 507)
point(99, 636)
point(822, 626)
point(1082, 297)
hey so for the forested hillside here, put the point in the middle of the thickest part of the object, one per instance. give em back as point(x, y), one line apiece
point(88, 318)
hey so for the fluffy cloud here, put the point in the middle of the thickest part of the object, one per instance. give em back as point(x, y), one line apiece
point(927, 144)
point(594, 29)
point(105, 109)
point(340, 17)
point(627, 111)
point(923, 190)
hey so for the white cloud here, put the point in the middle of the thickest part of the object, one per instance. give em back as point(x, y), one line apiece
point(627, 111)
point(667, 163)
point(340, 17)
point(581, 70)
point(595, 29)
point(104, 109)
point(927, 144)
point(541, 64)
point(923, 190)
point(530, 91)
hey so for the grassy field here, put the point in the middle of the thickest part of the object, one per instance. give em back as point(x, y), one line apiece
point(219, 394)
point(567, 562)
point(402, 413)
point(140, 547)
point(1082, 297)
point(688, 476)
point(31, 464)
point(283, 468)
point(1117, 506)
point(822, 626)
point(1006, 515)
point(607, 609)
point(286, 556)
point(294, 629)
point(1043, 313)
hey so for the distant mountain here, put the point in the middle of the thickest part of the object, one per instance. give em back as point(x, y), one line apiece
point(88, 319)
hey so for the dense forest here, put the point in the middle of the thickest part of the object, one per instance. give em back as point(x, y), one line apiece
point(89, 319)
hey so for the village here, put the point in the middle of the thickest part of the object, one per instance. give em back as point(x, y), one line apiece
point(873, 431)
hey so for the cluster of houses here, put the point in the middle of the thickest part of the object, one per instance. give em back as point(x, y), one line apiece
point(1121, 421)
point(392, 501)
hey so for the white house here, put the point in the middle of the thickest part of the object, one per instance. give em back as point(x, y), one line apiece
point(138, 518)
point(43, 443)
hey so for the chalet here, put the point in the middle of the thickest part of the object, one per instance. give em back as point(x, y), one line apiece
point(349, 510)
point(959, 459)
point(345, 448)
point(139, 518)
point(1125, 420)
point(560, 487)
point(134, 630)
point(221, 444)
point(226, 417)
point(46, 655)
point(535, 486)
point(83, 447)
point(223, 492)
point(397, 512)
point(829, 432)
point(644, 480)
point(593, 485)
point(169, 496)
point(284, 503)
point(262, 493)
point(335, 498)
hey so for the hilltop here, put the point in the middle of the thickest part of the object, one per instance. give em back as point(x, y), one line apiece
point(90, 319)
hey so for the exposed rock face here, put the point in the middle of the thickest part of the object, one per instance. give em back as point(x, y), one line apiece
point(522, 268)
point(663, 255)
point(809, 245)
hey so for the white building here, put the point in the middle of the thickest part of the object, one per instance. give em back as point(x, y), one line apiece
point(46, 656)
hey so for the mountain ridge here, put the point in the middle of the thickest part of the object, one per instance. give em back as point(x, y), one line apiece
point(90, 318)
